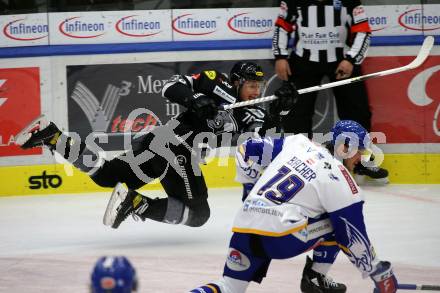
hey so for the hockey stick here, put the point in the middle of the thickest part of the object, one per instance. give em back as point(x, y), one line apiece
point(418, 287)
point(423, 54)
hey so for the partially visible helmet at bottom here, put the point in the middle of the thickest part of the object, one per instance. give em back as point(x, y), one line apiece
point(351, 133)
point(113, 274)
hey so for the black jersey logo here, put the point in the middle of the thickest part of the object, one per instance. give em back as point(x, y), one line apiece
point(210, 74)
point(223, 122)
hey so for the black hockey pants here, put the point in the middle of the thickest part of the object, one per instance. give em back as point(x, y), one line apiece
point(172, 161)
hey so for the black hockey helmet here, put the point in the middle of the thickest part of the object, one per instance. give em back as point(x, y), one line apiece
point(242, 71)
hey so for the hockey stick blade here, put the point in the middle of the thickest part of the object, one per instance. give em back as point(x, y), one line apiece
point(418, 287)
point(427, 45)
point(423, 54)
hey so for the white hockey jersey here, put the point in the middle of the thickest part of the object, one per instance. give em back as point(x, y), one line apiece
point(297, 182)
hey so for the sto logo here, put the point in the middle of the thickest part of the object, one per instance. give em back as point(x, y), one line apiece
point(418, 96)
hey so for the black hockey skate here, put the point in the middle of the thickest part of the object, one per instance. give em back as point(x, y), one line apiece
point(39, 132)
point(124, 202)
point(314, 282)
point(366, 175)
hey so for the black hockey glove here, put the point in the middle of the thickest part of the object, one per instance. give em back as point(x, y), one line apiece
point(204, 107)
point(287, 97)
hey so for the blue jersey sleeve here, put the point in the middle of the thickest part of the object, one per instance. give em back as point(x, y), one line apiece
point(263, 151)
point(247, 187)
point(253, 156)
point(351, 235)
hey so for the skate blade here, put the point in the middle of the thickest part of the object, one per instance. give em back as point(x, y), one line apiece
point(38, 123)
point(118, 196)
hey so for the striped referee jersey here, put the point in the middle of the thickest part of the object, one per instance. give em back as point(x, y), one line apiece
point(324, 30)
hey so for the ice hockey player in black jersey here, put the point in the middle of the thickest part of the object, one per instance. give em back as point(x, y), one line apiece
point(171, 152)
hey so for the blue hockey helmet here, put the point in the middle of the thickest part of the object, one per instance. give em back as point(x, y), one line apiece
point(113, 274)
point(351, 133)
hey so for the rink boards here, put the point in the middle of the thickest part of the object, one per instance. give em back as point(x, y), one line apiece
point(220, 172)
point(405, 108)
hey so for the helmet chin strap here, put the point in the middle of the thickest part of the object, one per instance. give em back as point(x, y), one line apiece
point(241, 82)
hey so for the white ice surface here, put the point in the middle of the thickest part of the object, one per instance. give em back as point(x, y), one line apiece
point(50, 243)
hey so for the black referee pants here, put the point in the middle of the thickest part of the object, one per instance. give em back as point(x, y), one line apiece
point(351, 100)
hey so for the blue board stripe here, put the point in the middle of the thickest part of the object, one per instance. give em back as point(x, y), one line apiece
point(59, 50)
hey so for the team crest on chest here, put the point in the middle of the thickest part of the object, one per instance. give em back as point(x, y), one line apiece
point(223, 122)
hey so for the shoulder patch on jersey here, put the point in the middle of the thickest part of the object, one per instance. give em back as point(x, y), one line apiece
point(224, 95)
point(350, 181)
point(359, 14)
point(358, 10)
point(210, 74)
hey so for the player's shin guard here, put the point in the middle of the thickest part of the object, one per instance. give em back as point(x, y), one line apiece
point(324, 256)
point(178, 213)
point(314, 282)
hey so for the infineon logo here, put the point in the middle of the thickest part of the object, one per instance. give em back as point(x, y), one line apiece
point(134, 26)
point(19, 30)
point(419, 20)
point(244, 24)
point(187, 24)
point(378, 23)
point(74, 27)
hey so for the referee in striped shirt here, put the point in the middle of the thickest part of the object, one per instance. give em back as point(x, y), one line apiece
point(331, 38)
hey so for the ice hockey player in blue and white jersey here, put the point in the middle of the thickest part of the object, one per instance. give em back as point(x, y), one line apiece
point(305, 197)
point(315, 272)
